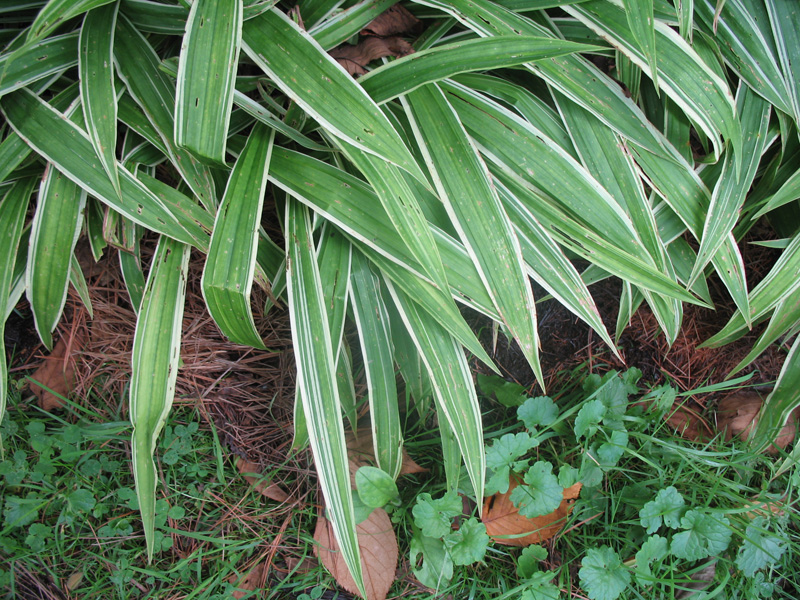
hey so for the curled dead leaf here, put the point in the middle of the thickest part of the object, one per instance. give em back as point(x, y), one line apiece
point(253, 580)
point(737, 415)
point(378, 546)
point(356, 58)
point(396, 20)
point(270, 490)
point(506, 526)
point(57, 373)
point(771, 507)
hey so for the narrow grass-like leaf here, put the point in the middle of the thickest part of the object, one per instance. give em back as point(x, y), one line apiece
point(785, 318)
point(17, 287)
point(206, 76)
point(334, 256)
point(54, 233)
point(785, 21)
point(37, 61)
point(783, 399)
point(347, 23)
point(685, 10)
point(683, 75)
point(134, 278)
point(730, 190)
point(98, 93)
point(78, 281)
point(788, 192)
point(57, 12)
point(746, 47)
point(154, 369)
point(641, 22)
point(69, 149)
point(138, 66)
point(316, 376)
point(464, 185)
point(310, 77)
point(230, 265)
point(452, 384)
point(410, 72)
point(374, 333)
point(12, 221)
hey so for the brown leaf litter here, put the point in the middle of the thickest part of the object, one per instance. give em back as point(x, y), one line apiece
point(378, 546)
point(506, 526)
point(251, 473)
point(55, 378)
point(737, 416)
point(396, 20)
point(356, 58)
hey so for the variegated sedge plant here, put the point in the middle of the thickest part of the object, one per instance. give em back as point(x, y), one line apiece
point(495, 153)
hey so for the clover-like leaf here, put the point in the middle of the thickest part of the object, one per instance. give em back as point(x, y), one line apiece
point(603, 576)
point(610, 452)
point(760, 549)
point(589, 417)
point(468, 544)
point(81, 500)
point(434, 517)
point(540, 587)
point(540, 493)
point(529, 559)
point(705, 535)
point(503, 456)
point(655, 548)
point(668, 505)
point(436, 565)
point(538, 412)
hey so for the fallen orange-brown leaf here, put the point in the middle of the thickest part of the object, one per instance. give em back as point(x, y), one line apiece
point(506, 526)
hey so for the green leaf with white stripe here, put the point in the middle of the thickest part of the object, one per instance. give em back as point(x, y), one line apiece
point(154, 369)
point(231, 262)
point(310, 77)
point(206, 77)
point(78, 281)
point(56, 12)
point(375, 336)
point(685, 10)
point(410, 72)
point(12, 222)
point(784, 319)
point(451, 380)
point(37, 61)
point(784, 19)
point(730, 191)
point(463, 183)
point(54, 233)
point(316, 380)
point(783, 399)
point(682, 74)
point(138, 66)
point(641, 22)
point(98, 93)
point(69, 149)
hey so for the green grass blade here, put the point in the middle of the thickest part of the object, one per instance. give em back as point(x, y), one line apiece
point(228, 273)
point(374, 334)
point(98, 93)
point(17, 287)
point(310, 77)
point(78, 281)
point(683, 75)
point(783, 320)
point(155, 17)
point(464, 185)
point(334, 256)
point(57, 12)
point(54, 233)
point(154, 369)
point(410, 72)
point(138, 66)
point(12, 221)
point(785, 397)
point(133, 276)
point(206, 77)
point(37, 61)
point(730, 191)
point(452, 383)
point(69, 149)
point(641, 22)
point(746, 47)
point(316, 374)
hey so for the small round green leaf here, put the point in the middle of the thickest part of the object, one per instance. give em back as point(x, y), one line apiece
point(375, 486)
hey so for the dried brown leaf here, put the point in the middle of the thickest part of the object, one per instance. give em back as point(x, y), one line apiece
point(737, 415)
point(253, 580)
point(395, 20)
point(356, 58)
point(361, 452)
point(502, 518)
point(57, 372)
point(270, 490)
point(378, 545)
